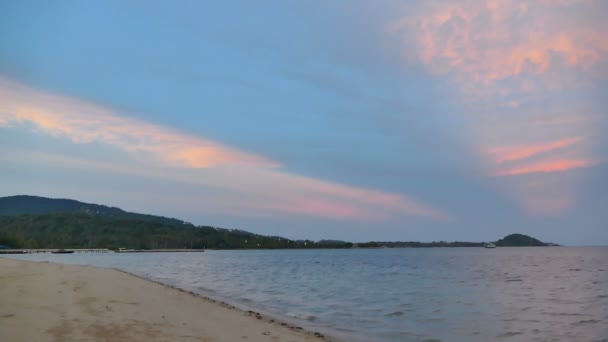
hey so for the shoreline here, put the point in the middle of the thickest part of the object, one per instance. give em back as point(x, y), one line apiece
point(46, 301)
point(249, 311)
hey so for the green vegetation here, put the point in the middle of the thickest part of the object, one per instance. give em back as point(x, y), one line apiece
point(81, 230)
point(518, 240)
point(416, 244)
point(37, 222)
point(17, 205)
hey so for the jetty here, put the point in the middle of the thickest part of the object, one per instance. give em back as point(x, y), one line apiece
point(54, 250)
point(174, 250)
point(94, 250)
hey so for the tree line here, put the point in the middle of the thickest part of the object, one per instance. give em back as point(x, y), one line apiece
point(83, 230)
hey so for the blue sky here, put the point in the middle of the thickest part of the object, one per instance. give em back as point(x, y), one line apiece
point(391, 120)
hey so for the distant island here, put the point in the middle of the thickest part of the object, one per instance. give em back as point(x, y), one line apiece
point(32, 222)
point(520, 240)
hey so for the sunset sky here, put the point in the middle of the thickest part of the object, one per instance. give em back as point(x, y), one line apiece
point(353, 120)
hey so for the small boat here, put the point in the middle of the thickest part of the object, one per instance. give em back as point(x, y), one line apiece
point(489, 245)
point(62, 251)
point(12, 251)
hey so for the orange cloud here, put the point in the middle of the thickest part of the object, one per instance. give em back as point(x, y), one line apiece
point(486, 41)
point(547, 167)
point(514, 153)
point(241, 183)
point(504, 56)
point(85, 123)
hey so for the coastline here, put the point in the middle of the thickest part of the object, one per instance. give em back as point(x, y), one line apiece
point(43, 301)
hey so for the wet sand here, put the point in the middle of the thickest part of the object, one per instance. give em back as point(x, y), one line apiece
point(53, 302)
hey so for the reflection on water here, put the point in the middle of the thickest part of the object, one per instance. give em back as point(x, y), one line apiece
point(447, 294)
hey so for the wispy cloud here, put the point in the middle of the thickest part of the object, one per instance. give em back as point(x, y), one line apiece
point(485, 41)
point(244, 183)
point(511, 53)
point(547, 167)
point(514, 153)
point(539, 158)
point(85, 123)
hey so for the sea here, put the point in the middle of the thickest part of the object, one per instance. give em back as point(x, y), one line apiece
point(423, 294)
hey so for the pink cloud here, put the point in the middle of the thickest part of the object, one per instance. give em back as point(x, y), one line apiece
point(503, 56)
point(85, 123)
point(514, 153)
point(386, 203)
point(242, 183)
point(547, 167)
point(486, 41)
point(324, 208)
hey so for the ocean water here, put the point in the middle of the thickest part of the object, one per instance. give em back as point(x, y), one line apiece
point(434, 294)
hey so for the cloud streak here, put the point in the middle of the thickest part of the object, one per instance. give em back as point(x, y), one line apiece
point(550, 166)
point(243, 183)
point(514, 153)
point(486, 41)
point(538, 158)
point(84, 123)
point(516, 53)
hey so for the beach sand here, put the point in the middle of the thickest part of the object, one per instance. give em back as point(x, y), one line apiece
point(42, 301)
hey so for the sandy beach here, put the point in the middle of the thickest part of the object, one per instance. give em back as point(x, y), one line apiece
point(54, 302)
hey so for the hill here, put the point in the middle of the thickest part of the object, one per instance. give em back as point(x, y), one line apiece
point(83, 230)
point(23, 204)
point(519, 240)
point(39, 222)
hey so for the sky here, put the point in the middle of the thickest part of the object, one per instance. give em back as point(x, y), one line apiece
point(353, 120)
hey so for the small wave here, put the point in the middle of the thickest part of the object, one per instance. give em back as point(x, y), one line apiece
point(513, 279)
point(586, 322)
point(395, 314)
point(511, 334)
point(564, 314)
point(344, 314)
point(308, 317)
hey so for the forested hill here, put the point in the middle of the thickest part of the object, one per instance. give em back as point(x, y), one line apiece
point(519, 240)
point(39, 222)
point(82, 230)
point(23, 204)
